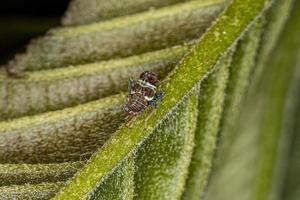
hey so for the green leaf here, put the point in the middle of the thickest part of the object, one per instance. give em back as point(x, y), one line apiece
point(291, 183)
point(249, 159)
point(167, 152)
point(212, 106)
point(120, 37)
point(192, 69)
point(118, 185)
point(48, 90)
point(66, 135)
point(162, 159)
point(29, 192)
point(276, 117)
point(18, 174)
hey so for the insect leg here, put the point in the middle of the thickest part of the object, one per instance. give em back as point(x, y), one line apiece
point(158, 97)
point(153, 102)
point(130, 84)
point(148, 117)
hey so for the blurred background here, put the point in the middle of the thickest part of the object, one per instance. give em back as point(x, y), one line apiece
point(25, 19)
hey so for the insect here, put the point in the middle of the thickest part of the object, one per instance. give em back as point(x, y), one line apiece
point(142, 94)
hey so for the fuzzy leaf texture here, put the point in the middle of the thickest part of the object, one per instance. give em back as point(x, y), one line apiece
point(224, 130)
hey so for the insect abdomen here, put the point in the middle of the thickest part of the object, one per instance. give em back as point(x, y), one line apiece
point(137, 104)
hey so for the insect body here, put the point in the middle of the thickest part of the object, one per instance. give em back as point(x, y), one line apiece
point(142, 93)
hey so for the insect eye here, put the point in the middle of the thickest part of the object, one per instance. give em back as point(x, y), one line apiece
point(152, 79)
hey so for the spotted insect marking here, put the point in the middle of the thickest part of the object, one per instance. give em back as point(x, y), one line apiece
point(142, 94)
